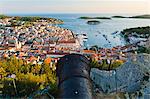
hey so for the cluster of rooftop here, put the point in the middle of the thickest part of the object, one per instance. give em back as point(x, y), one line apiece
point(39, 39)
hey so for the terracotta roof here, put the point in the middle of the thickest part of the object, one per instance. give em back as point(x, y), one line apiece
point(88, 51)
point(32, 58)
point(47, 60)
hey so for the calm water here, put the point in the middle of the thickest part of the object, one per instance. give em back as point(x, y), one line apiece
point(95, 32)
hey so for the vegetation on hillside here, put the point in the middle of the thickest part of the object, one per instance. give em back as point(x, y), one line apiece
point(20, 79)
point(3, 16)
point(35, 19)
point(138, 32)
point(142, 49)
point(29, 19)
point(104, 65)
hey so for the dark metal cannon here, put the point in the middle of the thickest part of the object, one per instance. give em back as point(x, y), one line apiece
point(73, 74)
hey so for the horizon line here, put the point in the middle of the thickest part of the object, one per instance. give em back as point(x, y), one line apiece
point(72, 13)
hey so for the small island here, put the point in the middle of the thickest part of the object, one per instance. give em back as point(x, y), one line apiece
point(146, 16)
point(94, 18)
point(118, 17)
point(93, 22)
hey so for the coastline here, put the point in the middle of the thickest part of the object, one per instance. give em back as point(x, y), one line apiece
point(139, 37)
point(40, 46)
point(71, 23)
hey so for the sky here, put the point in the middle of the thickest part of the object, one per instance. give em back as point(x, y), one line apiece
point(74, 6)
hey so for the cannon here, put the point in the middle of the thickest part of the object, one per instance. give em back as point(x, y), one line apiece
point(73, 72)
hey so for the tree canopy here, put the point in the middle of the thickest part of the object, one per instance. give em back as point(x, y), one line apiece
point(28, 77)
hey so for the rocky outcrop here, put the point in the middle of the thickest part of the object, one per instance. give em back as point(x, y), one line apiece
point(131, 77)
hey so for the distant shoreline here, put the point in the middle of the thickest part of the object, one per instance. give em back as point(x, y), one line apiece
point(146, 16)
point(136, 17)
point(86, 15)
point(32, 19)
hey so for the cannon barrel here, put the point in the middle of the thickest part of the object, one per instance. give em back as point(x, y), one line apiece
point(73, 72)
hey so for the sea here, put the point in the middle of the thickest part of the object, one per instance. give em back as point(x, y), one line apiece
point(95, 33)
